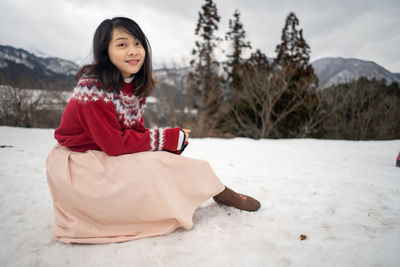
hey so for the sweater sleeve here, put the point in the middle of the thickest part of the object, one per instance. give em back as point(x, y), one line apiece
point(100, 121)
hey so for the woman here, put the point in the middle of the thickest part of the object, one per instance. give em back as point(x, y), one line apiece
point(110, 177)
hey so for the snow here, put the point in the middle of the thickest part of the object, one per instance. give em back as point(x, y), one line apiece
point(19, 58)
point(38, 53)
point(343, 195)
point(36, 57)
point(60, 66)
point(332, 71)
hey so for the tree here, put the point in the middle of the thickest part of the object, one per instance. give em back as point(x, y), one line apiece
point(235, 68)
point(362, 109)
point(293, 48)
point(30, 108)
point(236, 36)
point(24, 107)
point(293, 59)
point(278, 100)
point(204, 81)
point(244, 107)
point(254, 111)
point(257, 61)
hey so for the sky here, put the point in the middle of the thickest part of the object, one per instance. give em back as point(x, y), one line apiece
point(363, 29)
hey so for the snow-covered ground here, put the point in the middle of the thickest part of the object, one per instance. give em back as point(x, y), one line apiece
point(344, 196)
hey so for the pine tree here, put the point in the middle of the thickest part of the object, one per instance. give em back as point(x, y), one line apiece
point(293, 55)
point(293, 48)
point(204, 63)
point(204, 81)
point(257, 61)
point(236, 36)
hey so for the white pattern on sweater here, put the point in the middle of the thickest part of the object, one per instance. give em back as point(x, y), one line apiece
point(129, 108)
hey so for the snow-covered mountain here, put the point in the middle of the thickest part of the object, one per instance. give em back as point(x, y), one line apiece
point(31, 60)
point(38, 53)
point(22, 68)
point(332, 71)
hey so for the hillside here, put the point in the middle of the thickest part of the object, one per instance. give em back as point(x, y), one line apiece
point(23, 69)
point(332, 71)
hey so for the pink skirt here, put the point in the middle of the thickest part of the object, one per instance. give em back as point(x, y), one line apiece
point(103, 199)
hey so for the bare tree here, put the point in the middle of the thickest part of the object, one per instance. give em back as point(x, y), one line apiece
point(24, 106)
point(30, 107)
point(254, 106)
point(16, 106)
point(360, 110)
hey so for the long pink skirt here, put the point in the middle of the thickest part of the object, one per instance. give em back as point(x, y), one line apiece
point(103, 199)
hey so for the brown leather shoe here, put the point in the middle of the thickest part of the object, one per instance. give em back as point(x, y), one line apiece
point(229, 197)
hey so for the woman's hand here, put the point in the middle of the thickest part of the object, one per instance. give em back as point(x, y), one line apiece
point(186, 131)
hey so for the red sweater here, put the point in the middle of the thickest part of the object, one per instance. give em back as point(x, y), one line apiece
point(98, 120)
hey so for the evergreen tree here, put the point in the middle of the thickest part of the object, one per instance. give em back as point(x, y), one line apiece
point(236, 35)
point(204, 81)
point(293, 48)
point(293, 55)
point(257, 61)
point(235, 67)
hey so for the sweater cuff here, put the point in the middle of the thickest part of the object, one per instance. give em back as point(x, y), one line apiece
point(170, 139)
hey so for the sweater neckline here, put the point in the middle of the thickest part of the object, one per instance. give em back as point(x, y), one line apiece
point(129, 79)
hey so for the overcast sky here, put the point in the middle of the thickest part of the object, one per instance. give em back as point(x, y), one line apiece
point(364, 29)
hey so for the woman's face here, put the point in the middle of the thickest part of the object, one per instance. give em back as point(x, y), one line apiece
point(126, 52)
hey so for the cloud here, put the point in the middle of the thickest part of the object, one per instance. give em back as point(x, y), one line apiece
point(65, 28)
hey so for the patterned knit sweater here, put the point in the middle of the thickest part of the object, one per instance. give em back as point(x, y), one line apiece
point(98, 120)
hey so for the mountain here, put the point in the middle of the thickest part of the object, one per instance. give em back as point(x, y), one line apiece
point(24, 69)
point(34, 69)
point(332, 71)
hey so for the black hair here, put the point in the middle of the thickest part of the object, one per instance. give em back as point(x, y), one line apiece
point(108, 75)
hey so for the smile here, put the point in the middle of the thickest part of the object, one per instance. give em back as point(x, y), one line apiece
point(132, 61)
